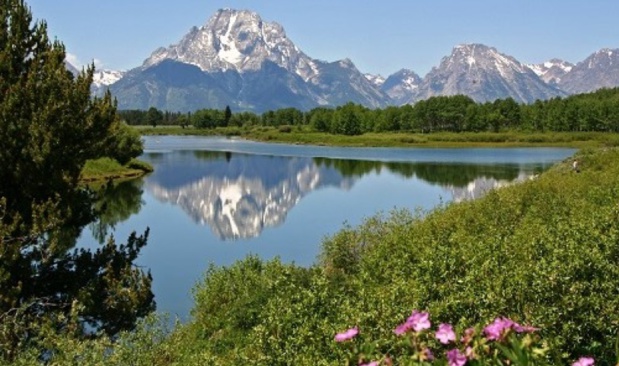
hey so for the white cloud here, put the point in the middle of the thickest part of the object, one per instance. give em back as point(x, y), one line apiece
point(78, 64)
point(73, 60)
point(98, 63)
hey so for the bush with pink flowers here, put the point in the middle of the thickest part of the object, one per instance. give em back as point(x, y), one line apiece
point(502, 342)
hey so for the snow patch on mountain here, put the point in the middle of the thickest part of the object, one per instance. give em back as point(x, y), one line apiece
point(484, 74)
point(401, 86)
point(551, 71)
point(104, 78)
point(237, 40)
point(599, 70)
point(376, 80)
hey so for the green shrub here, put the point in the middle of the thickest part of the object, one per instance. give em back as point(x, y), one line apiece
point(139, 165)
point(285, 128)
point(545, 252)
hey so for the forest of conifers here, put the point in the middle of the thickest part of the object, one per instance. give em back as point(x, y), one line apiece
point(598, 111)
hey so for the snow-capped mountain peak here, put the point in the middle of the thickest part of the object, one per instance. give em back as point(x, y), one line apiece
point(477, 55)
point(599, 70)
point(484, 74)
point(376, 80)
point(237, 40)
point(552, 70)
point(605, 56)
point(103, 78)
point(401, 86)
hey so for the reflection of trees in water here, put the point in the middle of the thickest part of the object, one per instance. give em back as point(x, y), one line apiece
point(115, 204)
point(46, 282)
point(459, 175)
point(211, 155)
point(350, 168)
point(445, 174)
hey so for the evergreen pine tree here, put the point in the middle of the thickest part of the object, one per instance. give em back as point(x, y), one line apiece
point(227, 116)
point(49, 127)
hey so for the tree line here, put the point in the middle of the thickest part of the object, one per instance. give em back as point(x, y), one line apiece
point(597, 111)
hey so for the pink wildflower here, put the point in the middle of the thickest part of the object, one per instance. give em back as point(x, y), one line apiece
point(456, 358)
point(524, 328)
point(419, 321)
point(402, 328)
point(498, 329)
point(445, 333)
point(584, 361)
point(347, 335)
point(469, 352)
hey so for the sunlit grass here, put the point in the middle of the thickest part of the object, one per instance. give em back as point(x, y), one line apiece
point(106, 168)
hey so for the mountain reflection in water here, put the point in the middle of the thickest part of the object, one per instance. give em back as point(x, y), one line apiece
point(238, 195)
point(207, 190)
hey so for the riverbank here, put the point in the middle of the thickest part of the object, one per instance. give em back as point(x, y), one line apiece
point(104, 169)
point(302, 135)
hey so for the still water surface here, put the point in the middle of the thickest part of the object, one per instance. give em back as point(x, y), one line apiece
point(217, 200)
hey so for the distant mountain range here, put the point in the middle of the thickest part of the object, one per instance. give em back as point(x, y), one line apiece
point(236, 59)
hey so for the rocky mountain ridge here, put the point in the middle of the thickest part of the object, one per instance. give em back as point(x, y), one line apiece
point(484, 74)
point(600, 70)
point(236, 59)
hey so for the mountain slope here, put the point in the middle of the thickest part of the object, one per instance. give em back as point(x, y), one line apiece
point(401, 86)
point(552, 71)
point(247, 64)
point(484, 74)
point(600, 70)
point(173, 85)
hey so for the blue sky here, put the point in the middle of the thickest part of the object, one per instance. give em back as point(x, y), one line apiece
point(380, 37)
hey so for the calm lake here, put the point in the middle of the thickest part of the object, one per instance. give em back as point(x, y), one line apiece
point(217, 200)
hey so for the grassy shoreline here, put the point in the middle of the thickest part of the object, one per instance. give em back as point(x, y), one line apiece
point(304, 136)
point(104, 169)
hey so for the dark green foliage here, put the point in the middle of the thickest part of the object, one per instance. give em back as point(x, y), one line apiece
point(153, 116)
point(227, 115)
point(49, 127)
point(208, 118)
point(285, 116)
point(348, 120)
point(598, 111)
point(320, 119)
point(123, 144)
